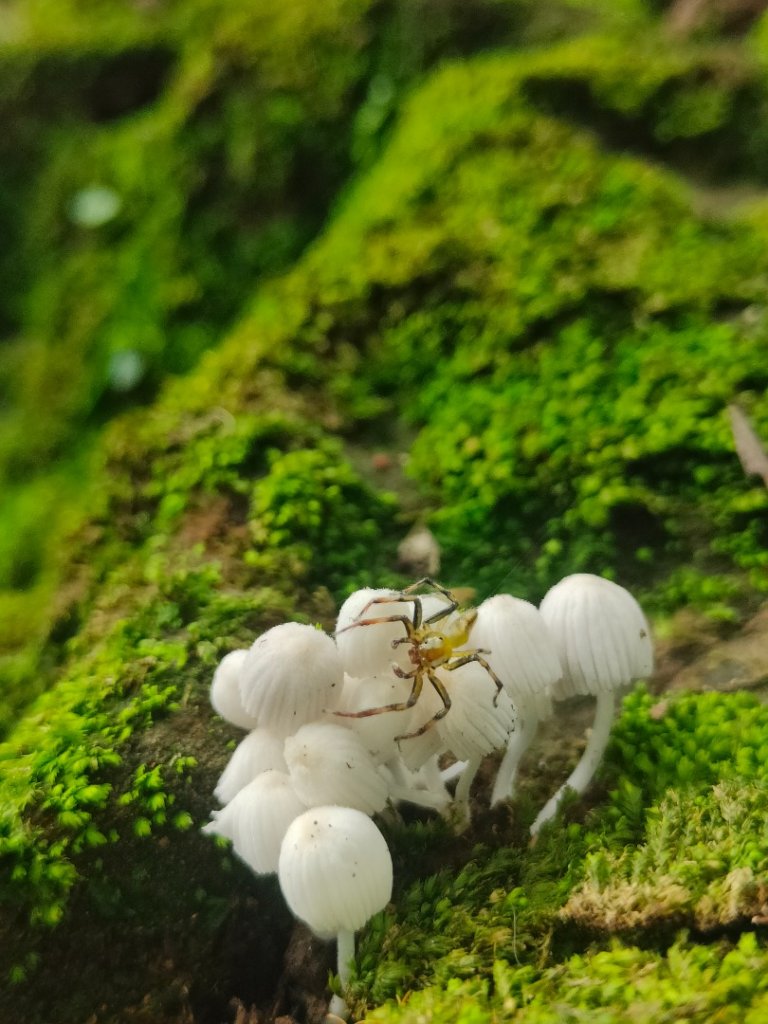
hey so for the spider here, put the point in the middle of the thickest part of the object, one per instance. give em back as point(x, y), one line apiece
point(428, 649)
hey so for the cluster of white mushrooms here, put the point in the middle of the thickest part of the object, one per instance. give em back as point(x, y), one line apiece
point(341, 727)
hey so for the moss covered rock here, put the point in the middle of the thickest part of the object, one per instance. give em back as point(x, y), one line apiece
point(557, 325)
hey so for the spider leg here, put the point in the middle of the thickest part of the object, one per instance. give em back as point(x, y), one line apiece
point(477, 656)
point(404, 705)
point(387, 618)
point(440, 714)
point(427, 581)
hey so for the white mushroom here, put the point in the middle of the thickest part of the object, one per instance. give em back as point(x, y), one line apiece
point(418, 751)
point(363, 639)
point(377, 732)
point(256, 820)
point(225, 691)
point(328, 764)
point(291, 673)
point(335, 871)
point(258, 752)
point(604, 643)
point(480, 721)
point(523, 655)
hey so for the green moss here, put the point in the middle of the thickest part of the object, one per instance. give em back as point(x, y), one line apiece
point(723, 982)
point(691, 802)
point(592, 360)
point(681, 839)
point(249, 137)
point(697, 739)
point(559, 329)
point(501, 903)
point(491, 247)
point(312, 511)
point(702, 860)
point(71, 780)
point(160, 280)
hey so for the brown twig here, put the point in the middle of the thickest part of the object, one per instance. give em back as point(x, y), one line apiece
point(749, 448)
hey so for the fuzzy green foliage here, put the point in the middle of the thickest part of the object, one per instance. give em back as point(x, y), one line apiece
point(314, 512)
point(692, 801)
point(229, 126)
point(703, 860)
point(593, 366)
point(215, 455)
point(694, 983)
point(574, 301)
point(70, 779)
point(491, 249)
point(221, 134)
point(556, 325)
point(252, 118)
point(454, 925)
point(62, 793)
point(695, 739)
point(145, 292)
point(681, 840)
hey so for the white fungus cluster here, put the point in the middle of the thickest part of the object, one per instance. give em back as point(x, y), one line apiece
point(341, 727)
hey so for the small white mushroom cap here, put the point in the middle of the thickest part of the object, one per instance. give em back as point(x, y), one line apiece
point(225, 691)
point(291, 673)
point(257, 753)
point(329, 764)
point(376, 731)
point(522, 651)
point(368, 650)
point(416, 751)
point(474, 726)
point(256, 819)
point(335, 869)
point(601, 634)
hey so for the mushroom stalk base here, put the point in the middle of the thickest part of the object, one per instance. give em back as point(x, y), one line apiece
point(345, 954)
point(582, 774)
point(519, 741)
point(424, 789)
point(461, 808)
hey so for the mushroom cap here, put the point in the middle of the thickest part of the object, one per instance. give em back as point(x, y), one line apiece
point(376, 731)
point(417, 750)
point(473, 726)
point(335, 869)
point(257, 753)
point(522, 651)
point(289, 675)
point(367, 650)
point(329, 764)
point(225, 691)
point(256, 819)
point(601, 634)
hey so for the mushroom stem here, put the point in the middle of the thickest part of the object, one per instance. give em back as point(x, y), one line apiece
point(463, 786)
point(396, 768)
point(519, 741)
point(419, 797)
point(453, 771)
point(408, 786)
point(345, 954)
point(582, 774)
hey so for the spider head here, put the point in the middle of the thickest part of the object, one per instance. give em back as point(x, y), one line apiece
point(432, 642)
point(430, 649)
